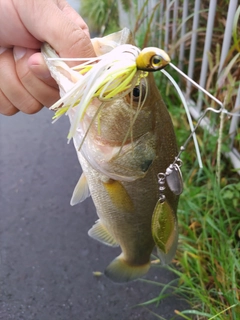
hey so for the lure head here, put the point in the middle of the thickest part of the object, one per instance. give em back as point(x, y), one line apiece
point(152, 59)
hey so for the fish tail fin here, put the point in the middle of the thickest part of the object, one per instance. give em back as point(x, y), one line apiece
point(120, 271)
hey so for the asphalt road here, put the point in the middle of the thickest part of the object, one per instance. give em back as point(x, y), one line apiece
point(47, 259)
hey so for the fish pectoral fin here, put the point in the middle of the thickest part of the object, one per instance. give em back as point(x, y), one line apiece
point(81, 191)
point(165, 231)
point(99, 232)
point(120, 271)
point(119, 196)
point(136, 157)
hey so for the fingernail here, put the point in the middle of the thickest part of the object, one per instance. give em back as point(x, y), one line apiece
point(2, 49)
point(19, 52)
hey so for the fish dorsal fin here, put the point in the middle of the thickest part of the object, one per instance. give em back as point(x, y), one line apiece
point(99, 232)
point(108, 43)
point(165, 231)
point(81, 191)
point(119, 196)
point(120, 271)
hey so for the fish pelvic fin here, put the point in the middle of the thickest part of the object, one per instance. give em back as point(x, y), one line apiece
point(99, 232)
point(119, 196)
point(121, 271)
point(165, 231)
point(81, 191)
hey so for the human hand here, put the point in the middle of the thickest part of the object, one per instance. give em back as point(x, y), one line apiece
point(25, 81)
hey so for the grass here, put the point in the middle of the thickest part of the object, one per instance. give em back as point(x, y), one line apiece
point(208, 257)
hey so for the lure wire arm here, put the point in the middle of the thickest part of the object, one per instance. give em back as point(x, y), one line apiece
point(177, 163)
point(163, 177)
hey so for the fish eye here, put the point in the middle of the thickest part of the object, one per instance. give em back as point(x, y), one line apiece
point(136, 92)
point(156, 61)
point(139, 92)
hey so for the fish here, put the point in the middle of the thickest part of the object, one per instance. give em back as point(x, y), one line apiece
point(122, 144)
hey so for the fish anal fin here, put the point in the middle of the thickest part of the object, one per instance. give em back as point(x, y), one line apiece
point(81, 191)
point(120, 271)
point(100, 233)
point(119, 196)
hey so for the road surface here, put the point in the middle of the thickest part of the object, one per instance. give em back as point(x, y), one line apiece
point(47, 259)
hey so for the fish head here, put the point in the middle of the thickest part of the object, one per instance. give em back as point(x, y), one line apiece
point(118, 135)
point(121, 137)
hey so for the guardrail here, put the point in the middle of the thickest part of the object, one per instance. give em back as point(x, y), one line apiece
point(176, 26)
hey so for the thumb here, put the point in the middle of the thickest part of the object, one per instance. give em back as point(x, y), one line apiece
point(39, 68)
point(58, 24)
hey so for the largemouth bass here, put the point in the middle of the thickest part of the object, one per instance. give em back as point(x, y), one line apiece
point(124, 143)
